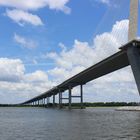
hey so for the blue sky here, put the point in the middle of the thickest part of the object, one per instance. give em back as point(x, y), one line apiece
point(58, 27)
point(39, 38)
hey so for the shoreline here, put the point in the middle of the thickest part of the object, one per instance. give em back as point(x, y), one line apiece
point(129, 108)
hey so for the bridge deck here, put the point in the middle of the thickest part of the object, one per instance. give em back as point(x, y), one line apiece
point(108, 65)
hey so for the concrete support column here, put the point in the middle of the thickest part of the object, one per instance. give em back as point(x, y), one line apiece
point(70, 97)
point(81, 89)
point(134, 60)
point(43, 101)
point(38, 103)
point(48, 101)
point(53, 100)
point(60, 99)
point(133, 19)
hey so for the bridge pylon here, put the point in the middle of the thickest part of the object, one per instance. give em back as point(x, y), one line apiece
point(133, 20)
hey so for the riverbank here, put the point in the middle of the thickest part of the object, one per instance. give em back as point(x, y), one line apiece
point(129, 108)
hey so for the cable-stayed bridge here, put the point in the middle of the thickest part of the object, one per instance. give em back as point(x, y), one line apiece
point(129, 54)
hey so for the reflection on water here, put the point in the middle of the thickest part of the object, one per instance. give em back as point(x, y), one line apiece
point(55, 124)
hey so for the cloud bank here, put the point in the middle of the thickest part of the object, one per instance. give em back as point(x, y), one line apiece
point(118, 86)
point(37, 4)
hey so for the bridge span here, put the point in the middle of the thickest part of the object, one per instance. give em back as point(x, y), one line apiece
point(129, 54)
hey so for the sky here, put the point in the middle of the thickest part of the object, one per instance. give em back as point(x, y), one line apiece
point(44, 42)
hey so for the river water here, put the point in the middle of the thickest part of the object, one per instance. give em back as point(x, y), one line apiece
point(55, 124)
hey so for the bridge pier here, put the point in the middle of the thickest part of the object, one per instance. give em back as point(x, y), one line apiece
point(48, 101)
point(133, 54)
point(70, 97)
point(81, 97)
point(60, 99)
point(81, 89)
point(53, 100)
point(35, 103)
point(38, 102)
point(43, 102)
point(70, 90)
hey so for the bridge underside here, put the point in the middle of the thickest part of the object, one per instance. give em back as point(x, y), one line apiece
point(129, 54)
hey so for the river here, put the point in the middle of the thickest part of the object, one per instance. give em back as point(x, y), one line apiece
point(54, 124)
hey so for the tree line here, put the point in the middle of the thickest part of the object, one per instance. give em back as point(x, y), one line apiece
point(86, 104)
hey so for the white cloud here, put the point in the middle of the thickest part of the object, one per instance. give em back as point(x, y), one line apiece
point(16, 85)
point(37, 4)
point(38, 76)
point(84, 55)
point(105, 2)
point(59, 5)
point(20, 14)
point(11, 70)
point(110, 3)
point(22, 17)
point(27, 43)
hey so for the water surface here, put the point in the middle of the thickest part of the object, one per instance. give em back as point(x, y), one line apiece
point(55, 124)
